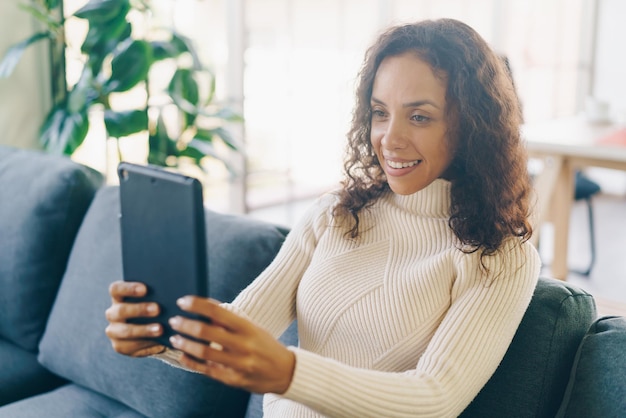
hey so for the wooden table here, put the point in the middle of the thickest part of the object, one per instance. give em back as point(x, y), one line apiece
point(565, 145)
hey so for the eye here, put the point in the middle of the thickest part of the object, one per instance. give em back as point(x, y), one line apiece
point(420, 118)
point(377, 113)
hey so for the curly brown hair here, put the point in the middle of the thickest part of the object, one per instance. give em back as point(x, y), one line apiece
point(490, 185)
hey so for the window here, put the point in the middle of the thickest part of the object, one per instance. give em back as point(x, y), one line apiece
point(301, 57)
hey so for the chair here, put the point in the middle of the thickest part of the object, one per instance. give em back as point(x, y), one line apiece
point(585, 189)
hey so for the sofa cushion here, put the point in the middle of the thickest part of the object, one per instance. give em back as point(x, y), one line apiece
point(68, 401)
point(44, 198)
point(597, 387)
point(74, 345)
point(22, 376)
point(532, 377)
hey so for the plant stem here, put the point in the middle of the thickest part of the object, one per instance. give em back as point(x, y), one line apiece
point(57, 59)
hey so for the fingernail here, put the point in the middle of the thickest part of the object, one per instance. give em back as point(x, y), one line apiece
point(183, 302)
point(152, 309)
point(175, 340)
point(139, 290)
point(154, 328)
point(174, 321)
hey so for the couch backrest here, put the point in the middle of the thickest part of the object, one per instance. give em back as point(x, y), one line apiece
point(43, 199)
point(75, 346)
point(531, 380)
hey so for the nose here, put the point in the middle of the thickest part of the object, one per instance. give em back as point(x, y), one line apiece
point(395, 135)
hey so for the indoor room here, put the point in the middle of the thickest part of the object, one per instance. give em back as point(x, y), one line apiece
point(255, 100)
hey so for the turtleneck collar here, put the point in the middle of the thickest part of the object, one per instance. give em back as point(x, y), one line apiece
point(433, 201)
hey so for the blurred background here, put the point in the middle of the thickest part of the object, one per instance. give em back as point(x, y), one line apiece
point(289, 67)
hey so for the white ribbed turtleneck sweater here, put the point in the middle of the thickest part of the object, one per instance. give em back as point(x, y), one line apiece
point(400, 323)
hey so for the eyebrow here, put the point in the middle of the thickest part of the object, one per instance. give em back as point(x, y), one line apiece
point(416, 103)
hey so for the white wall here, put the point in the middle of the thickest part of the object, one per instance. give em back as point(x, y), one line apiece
point(609, 81)
point(25, 96)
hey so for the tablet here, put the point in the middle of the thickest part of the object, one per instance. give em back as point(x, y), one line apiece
point(163, 237)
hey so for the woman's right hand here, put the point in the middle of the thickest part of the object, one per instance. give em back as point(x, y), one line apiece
point(132, 339)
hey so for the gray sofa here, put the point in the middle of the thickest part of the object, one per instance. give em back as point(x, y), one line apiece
point(59, 250)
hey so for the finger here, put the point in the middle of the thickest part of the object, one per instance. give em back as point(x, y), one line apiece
point(202, 330)
point(121, 289)
point(121, 312)
point(203, 352)
point(217, 314)
point(137, 348)
point(121, 331)
point(150, 351)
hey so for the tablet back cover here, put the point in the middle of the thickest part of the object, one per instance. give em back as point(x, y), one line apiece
point(163, 237)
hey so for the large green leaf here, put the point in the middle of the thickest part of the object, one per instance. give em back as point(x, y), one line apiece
point(63, 132)
point(205, 135)
point(107, 45)
point(51, 4)
point(130, 65)
point(102, 39)
point(169, 49)
point(102, 11)
point(184, 87)
point(13, 55)
point(125, 123)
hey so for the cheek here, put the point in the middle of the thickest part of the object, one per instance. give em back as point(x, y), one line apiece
point(375, 139)
point(449, 149)
point(447, 156)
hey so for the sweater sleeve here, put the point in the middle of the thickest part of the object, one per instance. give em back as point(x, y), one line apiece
point(464, 352)
point(270, 300)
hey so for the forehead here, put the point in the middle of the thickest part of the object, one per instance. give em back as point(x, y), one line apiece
point(409, 74)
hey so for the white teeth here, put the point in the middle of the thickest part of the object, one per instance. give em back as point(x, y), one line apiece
point(396, 164)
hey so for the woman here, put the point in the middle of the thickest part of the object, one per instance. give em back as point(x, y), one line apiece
point(408, 283)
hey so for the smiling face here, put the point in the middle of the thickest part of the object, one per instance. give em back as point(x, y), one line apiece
point(408, 126)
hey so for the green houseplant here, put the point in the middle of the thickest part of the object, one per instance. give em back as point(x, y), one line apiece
point(118, 58)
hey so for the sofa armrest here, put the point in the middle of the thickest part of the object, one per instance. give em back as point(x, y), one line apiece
point(532, 377)
point(597, 385)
